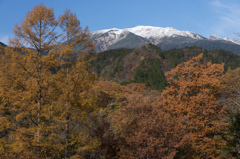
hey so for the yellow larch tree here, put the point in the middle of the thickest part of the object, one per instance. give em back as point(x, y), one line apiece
point(45, 83)
point(24, 77)
point(71, 84)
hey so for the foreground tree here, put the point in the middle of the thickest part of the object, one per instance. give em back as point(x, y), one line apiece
point(25, 75)
point(193, 96)
point(73, 80)
point(44, 85)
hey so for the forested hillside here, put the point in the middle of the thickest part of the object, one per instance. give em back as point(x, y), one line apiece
point(147, 64)
point(2, 44)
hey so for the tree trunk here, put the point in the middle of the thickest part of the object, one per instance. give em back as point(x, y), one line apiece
point(39, 91)
point(66, 137)
point(39, 110)
point(67, 121)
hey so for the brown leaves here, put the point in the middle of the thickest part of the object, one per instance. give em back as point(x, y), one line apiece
point(148, 131)
point(140, 129)
point(194, 95)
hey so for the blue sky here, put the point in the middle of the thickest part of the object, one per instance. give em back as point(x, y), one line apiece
point(204, 17)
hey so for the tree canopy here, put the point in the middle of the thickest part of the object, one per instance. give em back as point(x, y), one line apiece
point(53, 106)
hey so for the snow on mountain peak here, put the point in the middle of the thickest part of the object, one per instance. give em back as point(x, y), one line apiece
point(159, 32)
point(232, 40)
point(151, 32)
point(105, 30)
point(214, 37)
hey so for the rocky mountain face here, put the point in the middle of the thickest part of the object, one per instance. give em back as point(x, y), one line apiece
point(165, 38)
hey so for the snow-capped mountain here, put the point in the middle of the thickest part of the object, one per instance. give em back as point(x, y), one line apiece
point(159, 32)
point(232, 40)
point(215, 37)
point(150, 32)
point(165, 38)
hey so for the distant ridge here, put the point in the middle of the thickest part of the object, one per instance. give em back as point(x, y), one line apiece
point(2, 44)
point(151, 32)
point(165, 38)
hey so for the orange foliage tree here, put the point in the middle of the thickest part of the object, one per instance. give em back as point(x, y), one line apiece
point(193, 97)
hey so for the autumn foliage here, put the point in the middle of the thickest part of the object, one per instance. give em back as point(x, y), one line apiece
point(53, 106)
point(193, 97)
point(148, 132)
point(44, 86)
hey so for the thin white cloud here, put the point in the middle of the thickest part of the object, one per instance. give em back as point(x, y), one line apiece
point(4, 39)
point(228, 13)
